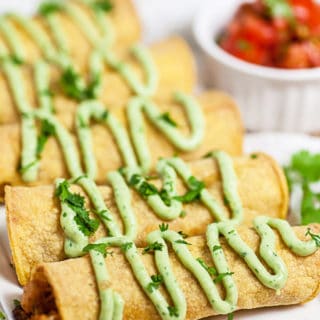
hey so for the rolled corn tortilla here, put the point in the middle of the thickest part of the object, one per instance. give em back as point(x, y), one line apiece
point(223, 131)
point(68, 290)
point(176, 72)
point(123, 18)
point(33, 214)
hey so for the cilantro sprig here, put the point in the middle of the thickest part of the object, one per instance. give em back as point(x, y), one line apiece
point(304, 171)
point(102, 5)
point(315, 237)
point(49, 7)
point(72, 86)
point(193, 194)
point(156, 281)
point(99, 247)
point(76, 202)
point(155, 246)
point(166, 117)
point(280, 9)
point(47, 130)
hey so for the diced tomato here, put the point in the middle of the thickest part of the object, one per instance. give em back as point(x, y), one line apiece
point(245, 50)
point(312, 49)
point(257, 30)
point(295, 58)
point(257, 35)
point(302, 9)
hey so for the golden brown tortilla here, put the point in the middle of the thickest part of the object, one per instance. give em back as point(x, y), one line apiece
point(68, 288)
point(33, 213)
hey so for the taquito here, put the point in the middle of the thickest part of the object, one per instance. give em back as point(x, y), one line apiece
point(176, 72)
point(68, 289)
point(223, 130)
point(33, 213)
point(123, 20)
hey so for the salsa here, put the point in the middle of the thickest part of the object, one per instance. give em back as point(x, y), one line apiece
point(275, 33)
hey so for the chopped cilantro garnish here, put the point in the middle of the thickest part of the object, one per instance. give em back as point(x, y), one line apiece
point(180, 241)
point(164, 195)
point(156, 246)
point(2, 315)
point(173, 311)
point(167, 118)
point(216, 248)
point(71, 85)
point(91, 90)
point(208, 155)
point(77, 203)
point(303, 171)
point(253, 156)
point(24, 169)
point(183, 213)
point(243, 45)
point(47, 130)
point(102, 5)
point(143, 187)
point(221, 276)
point(163, 227)
point(211, 270)
point(315, 237)
point(126, 246)
point(230, 316)
point(182, 234)
point(157, 279)
point(105, 115)
point(16, 303)
point(16, 60)
point(196, 187)
point(99, 247)
point(280, 9)
point(49, 7)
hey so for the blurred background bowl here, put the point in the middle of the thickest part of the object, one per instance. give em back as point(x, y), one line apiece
point(269, 98)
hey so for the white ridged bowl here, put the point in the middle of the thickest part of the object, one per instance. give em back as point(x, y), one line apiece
point(269, 98)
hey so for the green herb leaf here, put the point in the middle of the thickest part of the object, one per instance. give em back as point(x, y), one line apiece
point(216, 248)
point(315, 237)
point(163, 227)
point(47, 130)
point(156, 246)
point(2, 315)
point(157, 279)
point(208, 155)
point(99, 247)
point(280, 9)
point(49, 7)
point(126, 246)
point(173, 311)
point(102, 5)
point(180, 241)
point(72, 85)
point(167, 118)
point(243, 45)
point(16, 303)
point(230, 316)
point(182, 234)
point(76, 202)
point(221, 276)
point(143, 187)
point(24, 169)
point(196, 187)
point(211, 270)
point(303, 170)
point(164, 195)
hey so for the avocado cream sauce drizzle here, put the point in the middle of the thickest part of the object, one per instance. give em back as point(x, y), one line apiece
point(111, 303)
